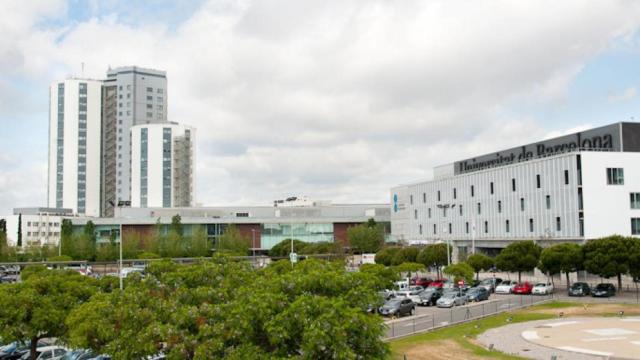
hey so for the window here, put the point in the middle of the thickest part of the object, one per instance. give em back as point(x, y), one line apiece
point(466, 226)
point(149, 106)
point(424, 198)
point(454, 193)
point(513, 184)
point(499, 206)
point(411, 199)
point(460, 207)
point(434, 229)
point(438, 195)
point(521, 204)
point(450, 228)
point(160, 99)
point(615, 176)
point(635, 200)
point(149, 114)
point(415, 214)
point(160, 91)
point(530, 225)
point(538, 181)
point(566, 177)
point(149, 89)
point(28, 223)
point(548, 200)
point(486, 227)
point(506, 226)
point(479, 208)
point(472, 192)
point(491, 188)
point(635, 226)
point(429, 211)
point(558, 224)
point(242, 214)
point(149, 98)
point(128, 95)
point(420, 229)
point(128, 87)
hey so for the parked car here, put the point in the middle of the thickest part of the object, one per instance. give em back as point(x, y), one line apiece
point(505, 287)
point(79, 354)
point(47, 352)
point(17, 349)
point(423, 281)
point(524, 288)
point(398, 307)
point(81, 268)
point(604, 290)
point(542, 289)
point(478, 293)
point(430, 296)
point(579, 289)
point(437, 283)
point(490, 284)
point(126, 271)
point(451, 299)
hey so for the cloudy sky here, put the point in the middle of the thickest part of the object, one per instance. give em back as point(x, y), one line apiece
point(338, 100)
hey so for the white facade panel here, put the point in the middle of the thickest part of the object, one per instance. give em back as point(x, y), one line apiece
point(607, 207)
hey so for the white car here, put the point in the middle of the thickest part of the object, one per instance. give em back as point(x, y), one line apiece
point(130, 270)
point(542, 289)
point(48, 353)
point(506, 287)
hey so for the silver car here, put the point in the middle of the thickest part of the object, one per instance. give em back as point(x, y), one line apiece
point(451, 299)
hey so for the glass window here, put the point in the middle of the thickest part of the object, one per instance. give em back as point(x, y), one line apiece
point(486, 227)
point(521, 204)
point(538, 181)
point(438, 195)
point(434, 229)
point(566, 177)
point(450, 228)
point(506, 226)
point(415, 214)
point(635, 200)
point(548, 200)
point(558, 224)
point(499, 206)
point(411, 199)
point(149, 89)
point(420, 229)
point(635, 226)
point(429, 211)
point(479, 208)
point(615, 176)
point(460, 209)
point(466, 226)
point(424, 198)
point(491, 188)
point(454, 193)
point(530, 225)
point(513, 184)
point(472, 192)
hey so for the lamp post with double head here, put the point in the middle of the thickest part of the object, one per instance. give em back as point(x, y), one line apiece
point(444, 208)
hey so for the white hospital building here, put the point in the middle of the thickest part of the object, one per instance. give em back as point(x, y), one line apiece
point(567, 189)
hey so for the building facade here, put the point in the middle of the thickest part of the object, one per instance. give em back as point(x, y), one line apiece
point(39, 226)
point(567, 189)
point(162, 166)
point(132, 96)
point(266, 226)
point(74, 145)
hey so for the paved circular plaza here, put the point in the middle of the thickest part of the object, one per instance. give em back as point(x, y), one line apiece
point(571, 338)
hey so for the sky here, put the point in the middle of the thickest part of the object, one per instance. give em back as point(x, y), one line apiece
point(333, 99)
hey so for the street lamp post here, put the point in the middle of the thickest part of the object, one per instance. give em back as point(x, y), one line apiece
point(444, 208)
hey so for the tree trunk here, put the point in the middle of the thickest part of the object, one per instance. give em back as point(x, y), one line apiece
point(477, 275)
point(519, 276)
point(33, 347)
point(619, 282)
point(568, 285)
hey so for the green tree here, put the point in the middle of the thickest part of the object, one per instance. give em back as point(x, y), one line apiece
point(176, 225)
point(519, 256)
point(323, 247)
point(19, 244)
point(233, 242)
point(90, 236)
point(386, 254)
point(66, 237)
point(38, 306)
point(199, 242)
point(564, 257)
point(434, 256)
point(283, 248)
point(405, 255)
point(409, 267)
point(480, 262)
point(365, 239)
point(4, 246)
point(634, 258)
point(460, 271)
point(607, 257)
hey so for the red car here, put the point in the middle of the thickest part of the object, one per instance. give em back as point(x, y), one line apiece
point(437, 283)
point(423, 281)
point(523, 288)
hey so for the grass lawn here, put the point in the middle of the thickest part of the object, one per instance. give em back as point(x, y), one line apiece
point(458, 341)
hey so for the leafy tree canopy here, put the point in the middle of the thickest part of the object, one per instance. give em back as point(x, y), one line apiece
point(366, 238)
point(519, 256)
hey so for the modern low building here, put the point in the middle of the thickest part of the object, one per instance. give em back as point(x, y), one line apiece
point(265, 225)
point(40, 226)
point(567, 189)
point(74, 146)
point(162, 166)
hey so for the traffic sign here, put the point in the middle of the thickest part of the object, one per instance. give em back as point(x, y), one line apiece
point(461, 283)
point(293, 257)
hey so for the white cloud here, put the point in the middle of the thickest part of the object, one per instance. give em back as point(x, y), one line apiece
point(626, 95)
point(339, 99)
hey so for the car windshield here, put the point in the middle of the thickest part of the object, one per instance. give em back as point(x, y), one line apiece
point(602, 287)
point(450, 295)
point(72, 355)
point(393, 303)
point(541, 285)
point(9, 348)
point(506, 283)
point(577, 285)
point(486, 281)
